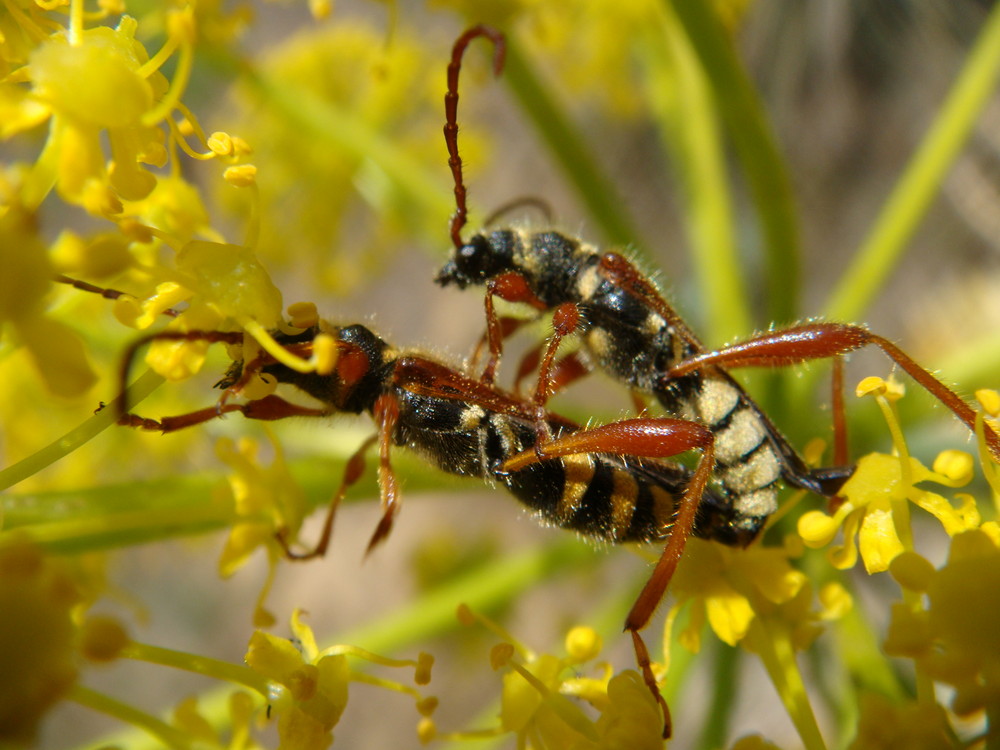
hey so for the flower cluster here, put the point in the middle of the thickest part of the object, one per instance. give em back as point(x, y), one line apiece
point(542, 696)
point(112, 181)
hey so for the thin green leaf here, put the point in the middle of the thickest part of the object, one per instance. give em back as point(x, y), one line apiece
point(756, 150)
point(920, 182)
point(567, 146)
point(679, 95)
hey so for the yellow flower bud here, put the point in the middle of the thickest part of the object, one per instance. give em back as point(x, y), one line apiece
point(243, 175)
point(303, 315)
point(955, 464)
point(817, 529)
point(583, 643)
point(426, 730)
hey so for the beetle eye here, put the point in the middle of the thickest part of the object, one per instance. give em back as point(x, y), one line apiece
point(473, 260)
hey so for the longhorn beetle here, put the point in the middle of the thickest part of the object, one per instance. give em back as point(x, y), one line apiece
point(606, 482)
point(627, 328)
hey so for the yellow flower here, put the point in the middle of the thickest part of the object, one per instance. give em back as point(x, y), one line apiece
point(55, 350)
point(536, 689)
point(175, 209)
point(728, 586)
point(223, 285)
point(955, 640)
point(97, 85)
point(267, 501)
point(631, 718)
point(22, 24)
point(874, 515)
point(755, 597)
point(309, 688)
point(197, 728)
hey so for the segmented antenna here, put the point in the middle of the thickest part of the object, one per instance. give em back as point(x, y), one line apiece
point(459, 218)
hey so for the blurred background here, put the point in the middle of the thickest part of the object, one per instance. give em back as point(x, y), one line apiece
point(344, 115)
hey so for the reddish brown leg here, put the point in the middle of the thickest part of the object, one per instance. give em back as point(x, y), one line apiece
point(513, 287)
point(565, 321)
point(639, 403)
point(354, 470)
point(562, 374)
point(508, 327)
point(386, 413)
point(564, 371)
point(646, 438)
point(822, 340)
point(212, 337)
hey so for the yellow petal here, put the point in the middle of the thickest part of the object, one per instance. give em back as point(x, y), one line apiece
point(878, 541)
point(92, 83)
point(59, 356)
point(729, 615)
point(275, 658)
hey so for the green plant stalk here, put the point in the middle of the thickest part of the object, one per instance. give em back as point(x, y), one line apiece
point(774, 647)
point(567, 146)
point(919, 183)
point(41, 459)
point(168, 735)
point(680, 97)
point(214, 668)
point(756, 150)
point(110, 516)
point(725, 680)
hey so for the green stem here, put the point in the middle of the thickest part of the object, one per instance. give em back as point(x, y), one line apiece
point(725, 680)
point(679, 95)
point(203, 665)
point(772, 644)
point(756, 150)
point(908, 204)
point(127, 529)
point(564, 142)
point(72, 440)
point(166, 734)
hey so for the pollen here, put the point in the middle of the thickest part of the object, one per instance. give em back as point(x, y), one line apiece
point(583, 643)
point(325, 353)
point(244, 175)
point(989, 400)
point(870, 386)
point(956, 465)
point(221, 143)
point(500, 655)
point(303, 315)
